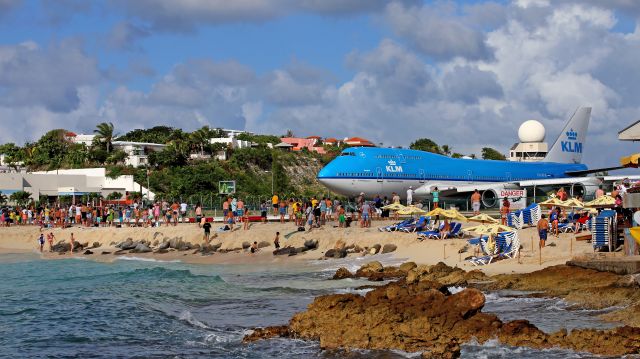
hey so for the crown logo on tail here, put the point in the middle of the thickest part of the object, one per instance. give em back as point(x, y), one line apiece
point(572, 135)
point(392, 163)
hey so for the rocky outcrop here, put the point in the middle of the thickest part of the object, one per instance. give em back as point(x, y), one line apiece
point(342, 273)
point(264, 244)
point(444, 274)
point(425, 317)
point(336, 253)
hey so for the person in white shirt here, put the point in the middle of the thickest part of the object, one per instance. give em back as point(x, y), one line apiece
point(409, 195)
point(183, 211)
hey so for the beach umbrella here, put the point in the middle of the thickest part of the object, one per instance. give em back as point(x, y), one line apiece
point(605, 201)
point(572, 203)
point(394, 207)
point(447, 213)
point(490, 229)
point(551, 202)
point(483, 218)
point(412, 210)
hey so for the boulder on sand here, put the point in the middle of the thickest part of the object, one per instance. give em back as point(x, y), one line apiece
point(246, 245)
point(336, 253)
point(311, 244)
point(141, 248)
point(388, 248)
point(263, 244)
point(369, 268)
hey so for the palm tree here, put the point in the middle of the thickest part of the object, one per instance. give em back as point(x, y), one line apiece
point(104, 133)
point(20, 197)
point(200, 138)
point(3, 198)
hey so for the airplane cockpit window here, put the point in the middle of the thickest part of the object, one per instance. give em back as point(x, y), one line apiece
point(347, 154)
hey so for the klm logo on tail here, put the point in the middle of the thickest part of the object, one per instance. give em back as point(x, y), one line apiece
point(572, 145)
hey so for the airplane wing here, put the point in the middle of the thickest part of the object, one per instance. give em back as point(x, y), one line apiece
point(559, 181)
point(620, 178)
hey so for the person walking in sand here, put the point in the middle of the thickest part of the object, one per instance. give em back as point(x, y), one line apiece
point(41, 242)
point(276, 241)
point(207, 232)
point(543, 228)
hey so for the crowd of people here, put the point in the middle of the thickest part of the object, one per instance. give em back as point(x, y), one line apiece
point(88, 215)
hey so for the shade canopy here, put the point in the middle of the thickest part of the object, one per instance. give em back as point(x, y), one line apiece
point(394, 207)
point(551, 202)
point(412, 210)
point(483, 218)
point(447, 213)
point(489, 229)
point(605, 201)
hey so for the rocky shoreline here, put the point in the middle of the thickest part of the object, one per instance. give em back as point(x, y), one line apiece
point(418, 313)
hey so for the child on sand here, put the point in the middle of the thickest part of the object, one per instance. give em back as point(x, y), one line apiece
point(254, 247)
point(276, 241)
point(207, 231)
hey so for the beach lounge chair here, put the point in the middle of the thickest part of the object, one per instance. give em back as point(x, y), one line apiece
point(481, 261)
point(429, 234)
point(476, 241)
point(566, 227)
point(394, 227)
point(455, 229)
point(418, 226)
point(508, 244)
point(515, 219)
point(603, 230)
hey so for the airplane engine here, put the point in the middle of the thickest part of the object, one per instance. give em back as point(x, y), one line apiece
point(490, 198)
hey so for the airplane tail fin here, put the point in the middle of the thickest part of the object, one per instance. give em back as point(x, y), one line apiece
point(569, 145)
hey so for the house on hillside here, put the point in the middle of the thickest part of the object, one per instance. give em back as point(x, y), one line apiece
point(137, 152)
point(300, 143)
point(358, 142)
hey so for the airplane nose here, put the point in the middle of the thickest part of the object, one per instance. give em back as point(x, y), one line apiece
point(325, 173)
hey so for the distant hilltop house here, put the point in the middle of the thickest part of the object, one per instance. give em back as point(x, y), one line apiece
point(315, 143)
point(358, 142)
point(229, 142)
point(137, 152)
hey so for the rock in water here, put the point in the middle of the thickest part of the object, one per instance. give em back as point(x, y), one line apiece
point(369, 268)
point(424, 317)
point(266, 333)
point(330, 253)
point(388, 248)
point(407, 266)
point(342, 273)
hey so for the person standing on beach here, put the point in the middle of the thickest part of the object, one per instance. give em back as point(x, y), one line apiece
point(73, 243)
point(504, 210)
point(543, 228)
point(275, 203)
point(207, 232)
point(183, 211)
point(276, 241)
point(436, 197)
point(366, 215)
point(50, 239)
point(198, 213)
point(225, 208)
point(409, 196)
point(263, 212)
point(245, 219)
point(41, 242)
point(475, 202)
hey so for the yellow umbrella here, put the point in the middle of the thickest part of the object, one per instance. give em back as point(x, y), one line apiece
point(605, 201)
point(412, 210)
point(554, 201)
point(394, 207)
point(490, 229)
point(483, 218)
point(447, 213)
point(573, 203)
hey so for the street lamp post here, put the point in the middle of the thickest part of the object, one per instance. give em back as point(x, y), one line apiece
point(271, 180)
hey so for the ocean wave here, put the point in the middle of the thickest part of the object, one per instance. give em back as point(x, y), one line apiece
point(492, 349)
point(188, 317)
point(141, 259)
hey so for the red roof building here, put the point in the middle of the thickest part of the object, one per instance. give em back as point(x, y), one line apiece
point(358, 141)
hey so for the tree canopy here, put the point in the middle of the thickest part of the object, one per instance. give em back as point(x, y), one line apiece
point(489, 153)
point(425, 144)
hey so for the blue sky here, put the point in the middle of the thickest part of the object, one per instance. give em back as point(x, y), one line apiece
point(464, 73)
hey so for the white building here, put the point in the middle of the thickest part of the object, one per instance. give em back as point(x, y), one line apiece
point(137, 152)
point(229, 143)
point(70, 182)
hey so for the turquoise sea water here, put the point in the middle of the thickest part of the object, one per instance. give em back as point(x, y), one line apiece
point(77, 308)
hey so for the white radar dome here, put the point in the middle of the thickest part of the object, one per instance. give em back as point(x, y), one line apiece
point(531, 131)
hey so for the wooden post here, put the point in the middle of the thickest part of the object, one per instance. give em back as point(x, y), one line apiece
point(459, 256)
point(571, 244)
point(540, 255)
point(444, 255)
point(532, 243)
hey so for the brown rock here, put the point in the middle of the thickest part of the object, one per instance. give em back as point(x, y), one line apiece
point(342, 273)
point(407, 266)
point(340, 245)
point(369, 268)
point(267, 333)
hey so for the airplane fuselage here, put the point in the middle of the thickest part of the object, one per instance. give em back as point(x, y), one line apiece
point(386, 170)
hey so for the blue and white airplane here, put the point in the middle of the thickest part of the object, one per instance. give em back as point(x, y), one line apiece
point(383, 171)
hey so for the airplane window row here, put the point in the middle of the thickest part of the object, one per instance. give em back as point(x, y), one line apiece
point(413, 157)
point(348, 154)
point(388, 157)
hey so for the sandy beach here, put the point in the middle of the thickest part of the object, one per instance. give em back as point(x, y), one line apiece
point(558, 250)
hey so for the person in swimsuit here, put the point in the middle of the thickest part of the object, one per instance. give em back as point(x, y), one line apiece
point(50, 238)
point(276, 241)
point(254, 247)
point(543, 228)
point(73, 243)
